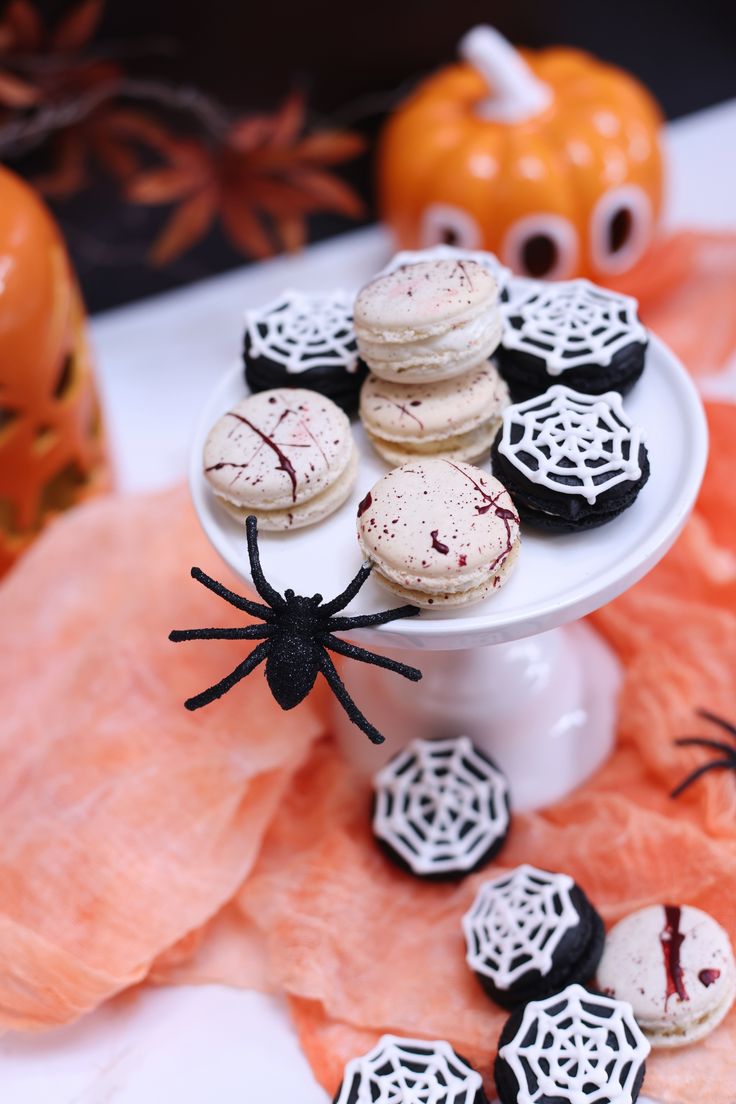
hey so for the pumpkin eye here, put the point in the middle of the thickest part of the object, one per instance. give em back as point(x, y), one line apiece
point(443, 224)
point(541, 246)
point(620, 229)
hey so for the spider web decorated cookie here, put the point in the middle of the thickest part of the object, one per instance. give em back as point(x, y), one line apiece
point(301, 331)
point(572, 443)
point(410, 1071)
point(516, 923)
point(500, 273)
point(575, 1047)
point(441, 808)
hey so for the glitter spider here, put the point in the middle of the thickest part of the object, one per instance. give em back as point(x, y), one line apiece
point(296, 639)
point(728, 760)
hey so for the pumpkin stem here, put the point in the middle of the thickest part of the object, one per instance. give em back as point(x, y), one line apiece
point(515, 93)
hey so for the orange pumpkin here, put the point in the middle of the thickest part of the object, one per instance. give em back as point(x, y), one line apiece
point(551, 160)
point(51, 453)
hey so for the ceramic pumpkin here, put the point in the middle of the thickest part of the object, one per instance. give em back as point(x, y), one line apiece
point(551, 160)
point(51, 453)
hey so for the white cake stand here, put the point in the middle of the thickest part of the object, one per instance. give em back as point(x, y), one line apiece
point(519, 672)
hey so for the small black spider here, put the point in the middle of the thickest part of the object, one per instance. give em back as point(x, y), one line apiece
point(728, 751)
point(295, 639)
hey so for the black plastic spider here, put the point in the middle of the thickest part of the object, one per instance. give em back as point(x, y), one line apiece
point(295, 639)
point(728, 762)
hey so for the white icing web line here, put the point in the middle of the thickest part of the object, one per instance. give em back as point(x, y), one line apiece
point(440, 805)
point(577, 1047)
point(516, 923)
point(570, 323)
point(500, 273)
point(301, 331)
point(409, 1071)
point(568, 434)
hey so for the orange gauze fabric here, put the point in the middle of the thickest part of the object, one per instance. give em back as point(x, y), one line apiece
point(125, 821)
point(361, 948)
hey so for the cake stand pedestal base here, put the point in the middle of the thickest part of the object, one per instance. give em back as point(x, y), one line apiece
point(544, 708)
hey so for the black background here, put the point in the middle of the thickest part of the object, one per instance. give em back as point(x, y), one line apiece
point(355, 60)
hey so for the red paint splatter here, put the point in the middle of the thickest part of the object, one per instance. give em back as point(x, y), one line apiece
point(708, 977)
point(462, 561)
point(366, 503)
point(672, 939)
point(437, 544)
point(284, 464)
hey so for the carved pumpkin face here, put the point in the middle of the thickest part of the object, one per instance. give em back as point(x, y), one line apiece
point(51, 453)
point(550, 160)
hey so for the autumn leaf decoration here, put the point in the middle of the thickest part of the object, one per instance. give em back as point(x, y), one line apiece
point(261, 176)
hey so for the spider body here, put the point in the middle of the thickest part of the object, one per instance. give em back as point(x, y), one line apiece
point(726, 752)
point(295, 639)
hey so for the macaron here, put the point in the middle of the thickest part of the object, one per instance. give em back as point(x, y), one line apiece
point(414, 1071)
point(675, 966)
point(304, 340)
point(441, 808)
point(429, 321)
point(572, 1047)
point(572, 461)
point(529, 933)
point(287, 456)
point(443, 252)
point(439, 533)
point(456, 418)
point(572, 332)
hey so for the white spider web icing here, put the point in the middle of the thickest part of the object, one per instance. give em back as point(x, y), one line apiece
point(565, 435)
point(569, 323)
point(577, 1047)
point(516, 923)
point(500, 273)
point(440, 805)
point(302, 331)
point(409, 1071)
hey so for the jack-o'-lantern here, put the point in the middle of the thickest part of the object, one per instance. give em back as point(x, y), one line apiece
point(549, 159)
point(51, 452)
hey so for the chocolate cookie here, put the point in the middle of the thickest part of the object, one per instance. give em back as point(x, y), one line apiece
point(410, 1069)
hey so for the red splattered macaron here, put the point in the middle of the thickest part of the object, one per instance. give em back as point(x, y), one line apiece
point(440, 533)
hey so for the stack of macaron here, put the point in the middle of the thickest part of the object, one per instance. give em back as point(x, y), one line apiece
point(427, 330)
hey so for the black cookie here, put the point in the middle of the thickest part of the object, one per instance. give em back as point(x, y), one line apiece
point(441, 808)
point(302, 340)
point(530, 933)
point(430, 1071)
point(570, 461)
point(572, 330)
point(571, 1047)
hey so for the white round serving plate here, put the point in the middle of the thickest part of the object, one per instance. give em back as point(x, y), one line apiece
point(557, 579)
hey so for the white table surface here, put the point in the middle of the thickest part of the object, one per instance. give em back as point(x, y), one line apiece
point(158, 360)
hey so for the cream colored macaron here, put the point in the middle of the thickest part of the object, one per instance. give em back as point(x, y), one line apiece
point(675, 967)
point(456, 418)
point(287, 456)
point(440, 533)
point(429, 321)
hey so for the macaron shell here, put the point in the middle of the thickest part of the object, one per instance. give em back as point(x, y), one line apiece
point(437, 356)
point(452, 599)
point(303, 513)
point(439, 528)
point(468, 447)
point(637, 966)
point(423, 299)
point(432, 412)
point(277, 449)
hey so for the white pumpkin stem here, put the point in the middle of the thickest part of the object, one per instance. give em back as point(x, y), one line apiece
point(515, 93)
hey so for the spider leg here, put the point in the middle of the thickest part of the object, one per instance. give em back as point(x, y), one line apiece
point(712, 745)
point(255, 609)
point(246, 632)
point(352, 651)
point(715, 764)
point(341, 624)
point(260, 582)
point(251, 661)
point(347, 595)
point(714, 719)
point(338, 689)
